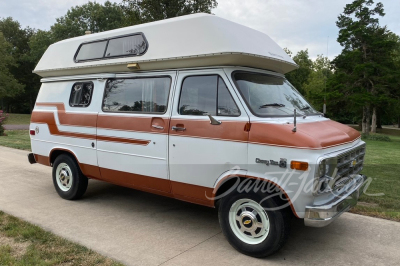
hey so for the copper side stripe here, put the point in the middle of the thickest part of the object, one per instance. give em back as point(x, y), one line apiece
point(81, 119)
point(48, 118)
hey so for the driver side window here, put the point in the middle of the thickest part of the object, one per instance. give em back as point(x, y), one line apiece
point(206, 95)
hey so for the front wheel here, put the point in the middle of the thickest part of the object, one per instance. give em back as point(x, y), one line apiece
point(253, 226)
point(68, 179)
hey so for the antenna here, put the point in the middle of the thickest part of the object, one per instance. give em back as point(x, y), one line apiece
point(294, 122)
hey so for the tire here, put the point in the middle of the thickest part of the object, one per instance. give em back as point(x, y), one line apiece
point(68, 179)
point(264, 240)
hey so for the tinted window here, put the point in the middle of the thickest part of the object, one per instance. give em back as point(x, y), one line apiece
point(131, 45)
point(226, 104)
point(199, 96)
point(148, 95)
point(93, 50)
point(81, 94)
point(268, 95)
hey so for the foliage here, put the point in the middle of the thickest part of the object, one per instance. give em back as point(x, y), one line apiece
point(376, 137)
point(142, 11)
point(299, 77)
point(3, 117)
point(92, 17)
point(21, 68)
point(9, 85)
point(365, 72)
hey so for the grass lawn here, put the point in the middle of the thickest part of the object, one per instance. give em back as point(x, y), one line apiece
point(382, 163)
point(17, 139)
point(22, 243)
point(18, 119)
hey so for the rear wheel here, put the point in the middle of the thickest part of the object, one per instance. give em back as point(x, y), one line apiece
point(253, 226)
point(68, 179)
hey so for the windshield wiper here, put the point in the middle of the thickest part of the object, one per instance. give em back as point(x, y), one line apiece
point(272, 105)
point(305, 108)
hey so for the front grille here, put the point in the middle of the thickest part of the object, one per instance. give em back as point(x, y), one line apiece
point(349, 163)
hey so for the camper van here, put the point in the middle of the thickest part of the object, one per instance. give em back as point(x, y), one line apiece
point(195, 108)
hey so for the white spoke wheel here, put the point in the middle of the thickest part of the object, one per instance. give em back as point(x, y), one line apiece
point(255, 229)
point(69, 181)
point(249, 221)
point(64, 177)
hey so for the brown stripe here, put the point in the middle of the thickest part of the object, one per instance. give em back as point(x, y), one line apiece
point(48, 118)
point(133, 123)
point(232, 131)
point(72, 119)
point(182, 191)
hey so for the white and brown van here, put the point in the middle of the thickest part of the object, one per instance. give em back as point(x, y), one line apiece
point(195, 108)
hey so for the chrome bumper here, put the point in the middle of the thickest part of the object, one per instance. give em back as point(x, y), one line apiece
point(323, 214)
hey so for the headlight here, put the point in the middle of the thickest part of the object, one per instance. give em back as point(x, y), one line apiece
point(324, 174)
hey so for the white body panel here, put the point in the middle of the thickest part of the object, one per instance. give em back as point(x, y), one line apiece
point(197, 40)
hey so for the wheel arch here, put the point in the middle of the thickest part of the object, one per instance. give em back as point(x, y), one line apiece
point(226, 183)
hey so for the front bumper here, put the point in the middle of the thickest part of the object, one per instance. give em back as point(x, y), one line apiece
point(321, 215)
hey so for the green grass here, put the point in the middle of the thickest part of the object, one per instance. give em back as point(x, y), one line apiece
point(382, 163)
point(17, 139)
point(22, 243)
point(18, 119)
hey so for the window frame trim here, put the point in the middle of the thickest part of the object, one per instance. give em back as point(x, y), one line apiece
point(91, 94)
point(136, 112)
point(105, 50)
point(267, 116)
point(218, 76)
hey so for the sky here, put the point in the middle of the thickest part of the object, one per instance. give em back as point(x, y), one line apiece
point(295, 24)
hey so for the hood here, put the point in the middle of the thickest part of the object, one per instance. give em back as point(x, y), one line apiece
point(313, 135)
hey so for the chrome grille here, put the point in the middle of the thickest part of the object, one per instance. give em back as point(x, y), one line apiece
point(349, 163)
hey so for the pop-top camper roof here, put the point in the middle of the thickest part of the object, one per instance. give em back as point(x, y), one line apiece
point(198, 40)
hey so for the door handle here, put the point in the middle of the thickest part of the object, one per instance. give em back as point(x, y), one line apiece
point(178, 128)
point(157, 127)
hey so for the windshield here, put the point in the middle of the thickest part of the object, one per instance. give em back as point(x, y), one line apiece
point(268, 95)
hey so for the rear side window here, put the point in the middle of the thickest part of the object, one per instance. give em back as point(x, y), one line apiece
point(124, 46)
point(120, 46)
point(143, 95)
point(206, 95)
point(81, 94)
point(94, 50)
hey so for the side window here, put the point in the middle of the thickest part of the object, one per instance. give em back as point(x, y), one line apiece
point(146, 95)
point(206, 95)
point(226, 104)
point(81, 94)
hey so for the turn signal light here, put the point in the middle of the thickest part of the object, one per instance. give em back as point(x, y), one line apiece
point(32, 132)
point(302, 166)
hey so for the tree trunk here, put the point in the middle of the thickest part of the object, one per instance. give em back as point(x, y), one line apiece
point(373, 125)
point(398, 122)
point(365, 120)
point(378, 121)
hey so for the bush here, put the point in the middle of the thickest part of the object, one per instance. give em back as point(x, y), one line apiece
point(3, 117)
point(375, 137)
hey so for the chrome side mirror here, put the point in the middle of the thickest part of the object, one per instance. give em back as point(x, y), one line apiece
point(214, 121)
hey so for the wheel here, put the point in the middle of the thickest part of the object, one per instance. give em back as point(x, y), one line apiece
point(68, 179)
point(255, 229)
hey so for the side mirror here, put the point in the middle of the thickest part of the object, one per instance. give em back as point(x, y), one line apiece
point(214, 121)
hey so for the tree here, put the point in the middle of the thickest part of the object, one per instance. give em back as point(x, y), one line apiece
point(142, 11)
point(315, 86)
point(365, 64)
point(9, 86)
point(21, 69)
point(300, 76)
point(92, 17)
